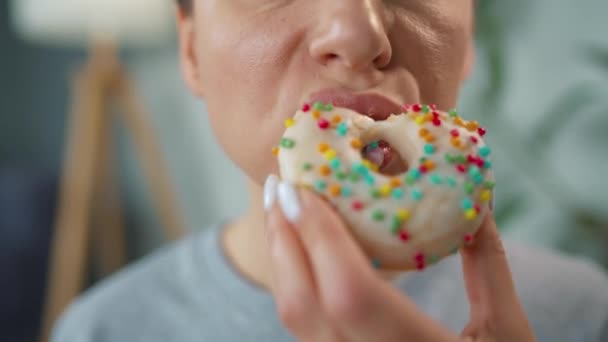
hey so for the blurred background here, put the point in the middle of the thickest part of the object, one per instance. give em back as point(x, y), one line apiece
point(539, 86)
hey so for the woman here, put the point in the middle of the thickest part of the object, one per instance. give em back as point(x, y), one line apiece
point(287, 268)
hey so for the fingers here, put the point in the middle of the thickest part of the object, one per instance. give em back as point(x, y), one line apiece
point(487, 275)
point(353, 297)
point(292, 282)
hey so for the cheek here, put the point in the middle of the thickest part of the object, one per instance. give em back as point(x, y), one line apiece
point(243, 75)
point(435, 55)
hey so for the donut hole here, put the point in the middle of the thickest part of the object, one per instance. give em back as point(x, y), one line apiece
point(387, 158)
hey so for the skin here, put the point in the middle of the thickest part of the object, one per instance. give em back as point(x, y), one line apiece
point(254, 62)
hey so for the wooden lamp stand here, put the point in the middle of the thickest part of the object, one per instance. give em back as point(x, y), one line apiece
point(89, 220)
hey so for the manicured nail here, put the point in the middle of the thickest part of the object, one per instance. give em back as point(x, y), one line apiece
point(289, 201)
point(270, 191)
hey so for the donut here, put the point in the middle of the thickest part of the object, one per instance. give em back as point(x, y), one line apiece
point(406, 221)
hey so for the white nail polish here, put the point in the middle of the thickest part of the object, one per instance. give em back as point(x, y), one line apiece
point(289, 201)
point(270, 191)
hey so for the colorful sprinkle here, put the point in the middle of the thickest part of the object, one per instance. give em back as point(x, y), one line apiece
point(417, 195)
point(360, 169)
point(404, 236)
point(354, 178)
point(416, 108)
point(324, 170)
point(472, 126)
point(346, 192)
point(323, 147)
point(415, 173)
point(423, 132)
point(374, 145)
point(329, 107)
point(275, 151)
point(316, 114)
point(461, 168)
point(485, 195)
point(402, 214)
point(481, 131)
point(378, 215)
point(484, 151)
point(395, 182)
point(369, 179)
point(287, 143)
point(374, 193)
point(318, 106)
point(341, 175)
point(429, 148)
point(342, 129)
point(357, 205)
point(455, 132)
point(469, 187)
point(453, 113)
point(466, 204)
point(356, 143)
point(323, 124)
point(396, 225)
point(487, 164)
point(419, 120)
point(470, 214)
point(489, 184)
point(435, 179)
point(385, 190)
point(429, 165)
point(335, 190)
point(307, 167)
point(336, 119)
point(329, 154)
point(451, 181)
point(436, 122)
point(335, 163)
point(397, 193)
point(305, 107)
point(425, 109)
point(289, 122)
point(468, 239)
point(320, 185)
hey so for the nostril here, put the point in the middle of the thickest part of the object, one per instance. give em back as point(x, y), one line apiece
point(331, 57)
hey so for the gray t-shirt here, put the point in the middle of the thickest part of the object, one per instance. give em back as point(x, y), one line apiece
point(189, 292)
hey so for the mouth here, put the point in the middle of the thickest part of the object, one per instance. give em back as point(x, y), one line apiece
point(375, 106)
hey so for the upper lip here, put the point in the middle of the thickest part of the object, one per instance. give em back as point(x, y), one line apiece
point(374, 105)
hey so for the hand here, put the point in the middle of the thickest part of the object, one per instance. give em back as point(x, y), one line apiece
point(326, 289)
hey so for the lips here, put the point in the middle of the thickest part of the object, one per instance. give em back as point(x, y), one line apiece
point(373, 105)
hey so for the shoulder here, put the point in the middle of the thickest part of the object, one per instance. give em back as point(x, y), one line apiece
point(124, 306)
point(562, 291)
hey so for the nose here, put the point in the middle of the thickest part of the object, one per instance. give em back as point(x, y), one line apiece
point(351, 33)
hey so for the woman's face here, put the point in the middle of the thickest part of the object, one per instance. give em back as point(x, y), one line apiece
point(256, 61)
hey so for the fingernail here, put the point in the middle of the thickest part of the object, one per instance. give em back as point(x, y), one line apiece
point(270, 191)
point(289, 202)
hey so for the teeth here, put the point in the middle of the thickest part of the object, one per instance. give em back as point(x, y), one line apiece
point(375, 155)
